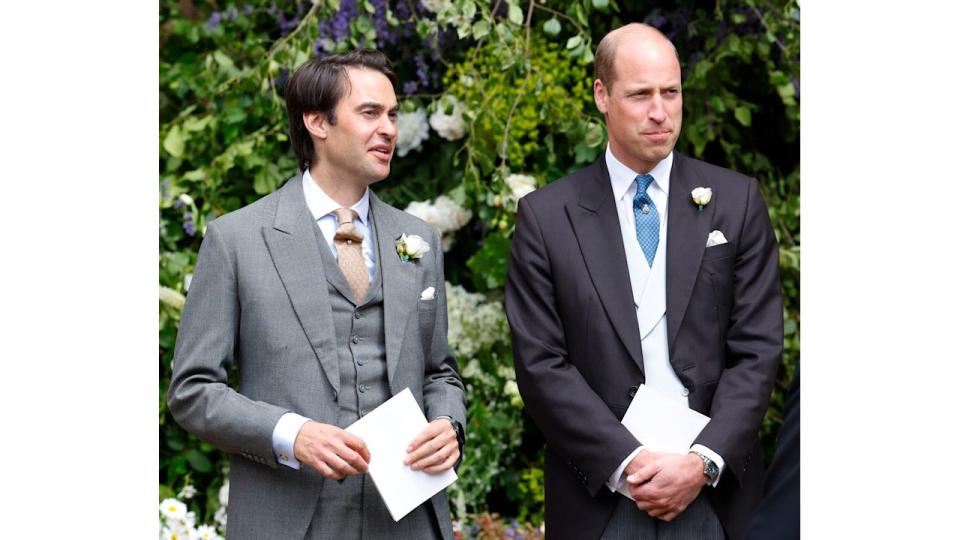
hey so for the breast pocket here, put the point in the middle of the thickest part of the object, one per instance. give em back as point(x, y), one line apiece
point(427, 319)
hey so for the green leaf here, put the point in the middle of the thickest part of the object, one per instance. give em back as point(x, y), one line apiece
point(738, 18)
point(198, 461)
point(196, 124)
point(574, 42)
point(601, 5)
point(742, 115)
point(481, 29)
point(718, 104)
point(786, 90)
point(594, 135)
point(174, 141)
point(166, 492)
point(551, 27)
point(515, 14)
point(489, 265)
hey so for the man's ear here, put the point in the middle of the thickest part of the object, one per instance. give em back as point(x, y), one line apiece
point(316, 123)
point(600, 95)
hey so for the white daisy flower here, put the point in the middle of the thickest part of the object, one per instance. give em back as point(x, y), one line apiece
point(172, 509)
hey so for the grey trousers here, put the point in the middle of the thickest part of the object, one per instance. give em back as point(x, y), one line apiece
point(697, 522)
point(353, 510)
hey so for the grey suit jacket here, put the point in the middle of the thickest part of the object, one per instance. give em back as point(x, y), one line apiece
point(259, 301)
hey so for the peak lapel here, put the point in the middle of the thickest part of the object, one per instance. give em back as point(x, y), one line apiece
point(687, 231)
point(293, 246)
point(597, 227)
point(399, 281)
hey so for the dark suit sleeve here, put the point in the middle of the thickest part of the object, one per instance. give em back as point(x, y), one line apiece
point(443, 392)
point(199, 397)
point(754, 341)
point(575, 421)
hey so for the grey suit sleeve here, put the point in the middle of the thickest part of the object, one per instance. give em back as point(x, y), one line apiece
point(443, 392)
point(199, 397)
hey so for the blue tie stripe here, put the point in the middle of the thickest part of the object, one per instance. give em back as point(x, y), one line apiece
point(647, 225)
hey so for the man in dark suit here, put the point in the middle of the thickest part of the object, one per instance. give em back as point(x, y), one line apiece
point(329, 301)
point(778, 515)
point(646, 267)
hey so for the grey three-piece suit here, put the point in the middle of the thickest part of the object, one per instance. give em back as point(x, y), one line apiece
point(268, 297)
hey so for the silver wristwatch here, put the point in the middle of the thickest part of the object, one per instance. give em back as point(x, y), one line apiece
point(710, 469)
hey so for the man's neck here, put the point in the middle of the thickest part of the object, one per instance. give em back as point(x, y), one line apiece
point(345, 192)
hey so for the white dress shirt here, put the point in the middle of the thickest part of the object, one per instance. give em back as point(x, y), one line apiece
point(322, 208)
point(649, 284)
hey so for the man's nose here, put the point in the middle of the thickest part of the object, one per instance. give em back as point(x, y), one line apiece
point(658, 112)
point(388, 127)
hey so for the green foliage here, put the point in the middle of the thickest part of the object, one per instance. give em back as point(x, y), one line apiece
point(523, 72)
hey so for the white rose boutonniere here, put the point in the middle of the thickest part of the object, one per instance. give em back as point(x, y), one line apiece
point(411, 247)
point(701, 196)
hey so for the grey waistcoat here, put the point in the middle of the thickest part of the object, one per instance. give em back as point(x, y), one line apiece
point(353, 509)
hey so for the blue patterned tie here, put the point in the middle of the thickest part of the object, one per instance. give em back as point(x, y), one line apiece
point(646, 218)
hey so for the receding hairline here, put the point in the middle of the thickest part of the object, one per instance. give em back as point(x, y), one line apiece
point(606, 54)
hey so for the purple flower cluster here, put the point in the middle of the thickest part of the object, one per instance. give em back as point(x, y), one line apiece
point(189, 226)
point(230, 14)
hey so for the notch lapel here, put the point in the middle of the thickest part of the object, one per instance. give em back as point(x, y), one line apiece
point(597, 228)
point(292, 243)
point(399, 281)
point(687, 231)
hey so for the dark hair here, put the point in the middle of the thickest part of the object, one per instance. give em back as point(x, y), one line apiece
point(318, 85)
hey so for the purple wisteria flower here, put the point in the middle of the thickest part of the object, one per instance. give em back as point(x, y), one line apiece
point(214, 20)
point(189, 226)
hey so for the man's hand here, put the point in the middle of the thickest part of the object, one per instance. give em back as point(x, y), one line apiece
point(663, 485)
point(333, 452)
point(435, 449)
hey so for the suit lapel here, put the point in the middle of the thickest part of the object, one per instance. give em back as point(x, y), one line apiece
point(687, 231)
point(292, 243)
point(597, 227)
point(399, 281)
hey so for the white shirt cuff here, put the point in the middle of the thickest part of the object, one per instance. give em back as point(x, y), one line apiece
point(714, 457)
point(284, 435)
point(615, 479)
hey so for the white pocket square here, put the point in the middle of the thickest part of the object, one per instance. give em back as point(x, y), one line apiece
point(716, 238)
point(427, 293)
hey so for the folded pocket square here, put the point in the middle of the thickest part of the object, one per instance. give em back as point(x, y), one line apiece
point(716, 238)
point(427, 293)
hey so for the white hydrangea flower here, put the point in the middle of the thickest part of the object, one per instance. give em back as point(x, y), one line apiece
point(450, 126)
point(221, 516)
point(520, 185)
point(435, 6)
point(224, 494)
point(444, 214)
point(173, 509)
point(171, 298)
point(412, 130)
point(188, 492)
point(473, 323)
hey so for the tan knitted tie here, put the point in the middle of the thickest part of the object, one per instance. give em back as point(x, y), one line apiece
point(350, 255)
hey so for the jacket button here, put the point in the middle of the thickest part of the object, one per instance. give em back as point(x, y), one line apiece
point(355, 339)
point(356, 314)
point(632, 391)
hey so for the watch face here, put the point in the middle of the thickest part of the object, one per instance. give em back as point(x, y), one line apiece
point(712, 470)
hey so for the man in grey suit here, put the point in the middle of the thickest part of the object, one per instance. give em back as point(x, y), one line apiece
point(329, 302)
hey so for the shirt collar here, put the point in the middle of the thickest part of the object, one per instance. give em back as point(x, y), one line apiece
point(320, 204)
point(623, 177)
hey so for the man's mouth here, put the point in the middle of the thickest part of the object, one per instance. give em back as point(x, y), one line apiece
point(658, 136)
point(382, 151)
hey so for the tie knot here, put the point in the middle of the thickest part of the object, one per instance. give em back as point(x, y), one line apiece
point(643, 182)
point(345, 215)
